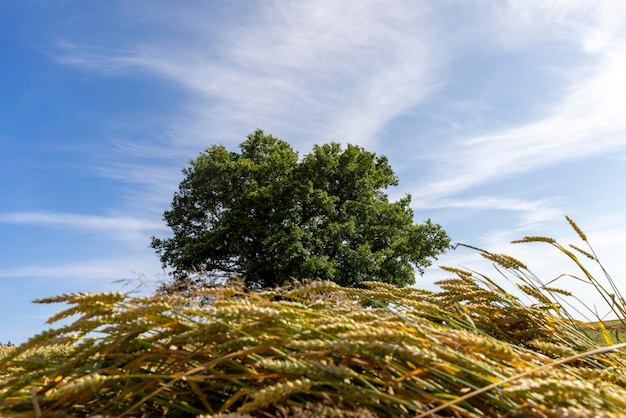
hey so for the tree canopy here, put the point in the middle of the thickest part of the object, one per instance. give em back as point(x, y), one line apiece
point(268, 216)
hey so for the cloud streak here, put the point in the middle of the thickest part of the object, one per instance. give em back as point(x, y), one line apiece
point(532, 212)
point(305, 70)
point(587, 122)
point(92, 275)
point(91, 270)
point(318, 71)
point(114, 225)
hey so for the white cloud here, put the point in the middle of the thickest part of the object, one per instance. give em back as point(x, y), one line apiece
point(89, 270)
point(520, 22)
point(316, 71)
point(531, 212)
point(329, 70)
point(92, 275)
point(117, 226)
point(584, 122)
point(587, 122)
point(147, 191)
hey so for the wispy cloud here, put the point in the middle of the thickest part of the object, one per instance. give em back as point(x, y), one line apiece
point(335, 70)
point(309, 70)
point(92, 270)
point(117, 274)
point(531, 212)
point(117, 226)
point(587, 121)
point(147, 188)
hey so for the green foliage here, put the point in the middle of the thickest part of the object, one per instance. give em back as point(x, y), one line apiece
point(267, 216)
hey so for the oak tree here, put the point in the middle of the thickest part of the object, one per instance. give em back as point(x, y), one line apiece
point(267, 216)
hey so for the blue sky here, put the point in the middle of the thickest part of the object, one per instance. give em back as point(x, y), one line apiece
point(499, 117)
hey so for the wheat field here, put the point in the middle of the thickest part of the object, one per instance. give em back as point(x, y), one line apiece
point(315, 349)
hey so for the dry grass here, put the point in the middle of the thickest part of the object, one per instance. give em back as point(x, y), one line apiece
point(319, 350)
